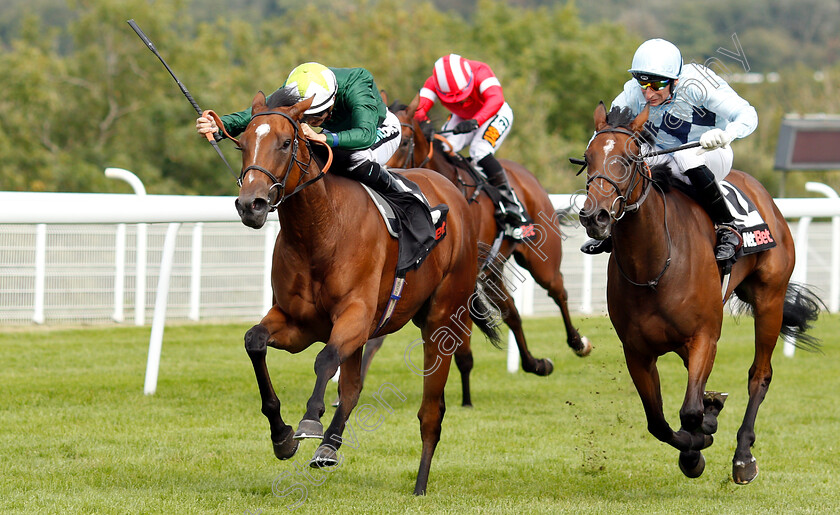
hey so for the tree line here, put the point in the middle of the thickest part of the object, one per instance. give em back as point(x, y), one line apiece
point(87, 94)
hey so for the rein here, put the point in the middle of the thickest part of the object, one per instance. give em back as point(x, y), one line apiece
point(276, 183)
point(639, 177)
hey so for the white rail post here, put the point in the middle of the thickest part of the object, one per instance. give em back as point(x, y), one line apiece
point(800, 271)
point(119, 276)
point(40, 272)
point(119, 259)
point(195, 273)
point(159, 319)
point(834, 291)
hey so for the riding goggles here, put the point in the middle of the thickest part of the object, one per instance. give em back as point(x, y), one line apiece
point(655, 85)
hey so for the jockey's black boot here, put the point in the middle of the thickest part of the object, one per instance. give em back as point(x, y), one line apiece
point(377, 178)
point(711, 199)
point(593, 246)
point(517, 224)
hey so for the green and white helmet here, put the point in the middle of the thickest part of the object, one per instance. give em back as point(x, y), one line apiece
point(314, 80)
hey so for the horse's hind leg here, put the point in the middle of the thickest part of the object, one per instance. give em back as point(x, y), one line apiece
point(511, 317)
point(281, 433)
point(544, 265)
point(464, 362)
point(350, 386)
point(768, 320)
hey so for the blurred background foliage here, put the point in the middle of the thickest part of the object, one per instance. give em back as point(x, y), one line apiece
point(79, 91)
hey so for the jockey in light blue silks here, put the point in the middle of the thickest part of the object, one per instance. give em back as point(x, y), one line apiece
point(688, 103)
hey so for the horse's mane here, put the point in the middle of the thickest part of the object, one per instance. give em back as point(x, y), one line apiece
point(396, 106)
point(282, 97)
point(622, 117)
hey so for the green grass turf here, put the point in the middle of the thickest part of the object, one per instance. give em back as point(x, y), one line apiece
point(77, 435)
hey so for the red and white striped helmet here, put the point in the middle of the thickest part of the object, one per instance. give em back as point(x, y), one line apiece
point(453, 78)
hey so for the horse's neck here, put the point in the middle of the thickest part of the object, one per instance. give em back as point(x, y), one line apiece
point(641, 238)
point(309, 216)
point(447, 168)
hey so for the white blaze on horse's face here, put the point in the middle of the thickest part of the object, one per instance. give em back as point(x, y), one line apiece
point(609, 146)
point(261, 131)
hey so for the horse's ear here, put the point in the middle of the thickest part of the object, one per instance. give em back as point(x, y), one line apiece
point(258, 104)
point(412, 107)
point(638, 123)
point(384, 96)
point(298, 109)
point(600, 116)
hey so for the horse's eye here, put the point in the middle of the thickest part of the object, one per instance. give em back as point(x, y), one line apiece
point(286, 143)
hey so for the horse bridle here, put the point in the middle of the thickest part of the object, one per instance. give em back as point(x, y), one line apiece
point(637, 178)
point(278, 184)
point(409, 160)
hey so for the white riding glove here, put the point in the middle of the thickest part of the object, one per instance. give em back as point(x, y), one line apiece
point(716, 138)
point(206, 125)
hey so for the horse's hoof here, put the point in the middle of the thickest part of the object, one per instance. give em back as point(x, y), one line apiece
point(585, 347)
point(325, 456)
point(544, 367)
point(692, 465)
point(309, 429)
point(285, 448)
point(713, 401)
point(744, 473)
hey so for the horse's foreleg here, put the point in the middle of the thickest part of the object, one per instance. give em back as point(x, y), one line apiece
point(372, 346)
point(645, 377)
point(349, 387)
point(744, 465)
point(348, 334)
point(698, 356)
point(281, 433)
point(433, 406)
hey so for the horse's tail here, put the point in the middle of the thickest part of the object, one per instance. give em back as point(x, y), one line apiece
point(802, 307)
point(485, 300)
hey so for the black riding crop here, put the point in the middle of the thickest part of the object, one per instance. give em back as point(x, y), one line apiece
point(210, 137)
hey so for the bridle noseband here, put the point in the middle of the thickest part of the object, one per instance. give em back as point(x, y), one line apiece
point(276, 183)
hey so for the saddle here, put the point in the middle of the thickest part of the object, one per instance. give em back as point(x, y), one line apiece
point(410, 219)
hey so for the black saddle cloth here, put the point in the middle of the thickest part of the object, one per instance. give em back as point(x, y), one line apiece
point(418, 227)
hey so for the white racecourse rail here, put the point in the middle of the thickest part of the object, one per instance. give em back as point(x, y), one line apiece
point(42, 209)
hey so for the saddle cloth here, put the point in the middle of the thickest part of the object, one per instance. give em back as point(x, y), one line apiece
point(753, 229)
point(409, 218)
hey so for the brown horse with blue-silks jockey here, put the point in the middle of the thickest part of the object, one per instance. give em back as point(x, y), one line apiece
point(333, 277)
point(665, 291)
